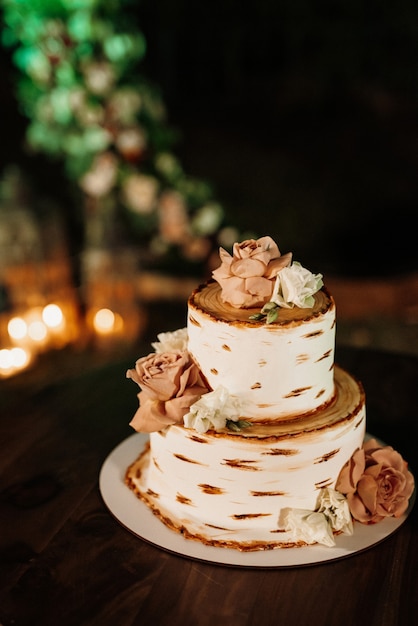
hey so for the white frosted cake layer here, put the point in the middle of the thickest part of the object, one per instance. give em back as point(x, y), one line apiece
point(228, 489)
point(277, 370)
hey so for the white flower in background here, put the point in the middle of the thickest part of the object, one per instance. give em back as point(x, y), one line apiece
point(100, 179)
point(308, 526)
point(334, 506)
point(124, 105)
point(99, 77)
point(171, 341)
point(295, 286)
point(131, 142)
point(58, 97)
point(213, 410)
point(76, 98)
point(207, 219)
point(39, 67)
point(140, 193)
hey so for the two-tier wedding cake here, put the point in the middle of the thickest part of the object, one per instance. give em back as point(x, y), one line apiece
point(256, 435)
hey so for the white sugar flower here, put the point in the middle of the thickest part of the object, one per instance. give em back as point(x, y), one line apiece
point(295, 286)
point(334, 506)
point(171, 341)
point(213, 410)
point(308, 526)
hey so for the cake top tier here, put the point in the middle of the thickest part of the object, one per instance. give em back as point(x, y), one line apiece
point(208, 298)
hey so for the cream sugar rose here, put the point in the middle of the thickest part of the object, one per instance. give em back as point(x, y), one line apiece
point(256, 437)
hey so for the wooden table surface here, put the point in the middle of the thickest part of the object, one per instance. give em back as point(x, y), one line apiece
point(65, 560)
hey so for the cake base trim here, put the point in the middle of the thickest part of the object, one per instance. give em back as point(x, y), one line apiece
point(138, 519)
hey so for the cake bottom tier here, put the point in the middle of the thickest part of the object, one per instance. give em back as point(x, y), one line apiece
point(228, 489)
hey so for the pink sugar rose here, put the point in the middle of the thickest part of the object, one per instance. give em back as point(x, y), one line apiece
point(247, 277)
point(376, 482)
point(170, 383)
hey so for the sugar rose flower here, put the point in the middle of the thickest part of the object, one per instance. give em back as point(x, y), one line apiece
point(170, 383)
point(377, 483)
point(247, 277)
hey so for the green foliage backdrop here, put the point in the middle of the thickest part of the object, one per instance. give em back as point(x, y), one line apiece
point(89, 106)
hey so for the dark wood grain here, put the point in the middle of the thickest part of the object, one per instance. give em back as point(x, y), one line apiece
point(66, 561)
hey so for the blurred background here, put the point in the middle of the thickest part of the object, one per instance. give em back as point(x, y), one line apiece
point(139, 136)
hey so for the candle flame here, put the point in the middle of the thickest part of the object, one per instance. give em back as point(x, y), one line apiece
point(52, 315)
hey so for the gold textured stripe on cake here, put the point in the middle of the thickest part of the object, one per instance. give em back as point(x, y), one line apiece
point(156, 464)
point(153, 494)
point(320, 393)
point(256, 386)
point(183, 499)
point(315, 333)
point(228, 530)
point(324, 483)
point(297, 392)
point(194, 321)
point(226, 347)
point(302, 358)
point(359, 423)
point(211, 489)
point(267, 493)
point(214, 371)
point(243, 516)
point(280, 452)
point(198, 439)
point(327, 456)
point(324, 356)
point(181, 457)
point(241, 464)
point(262, 363)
